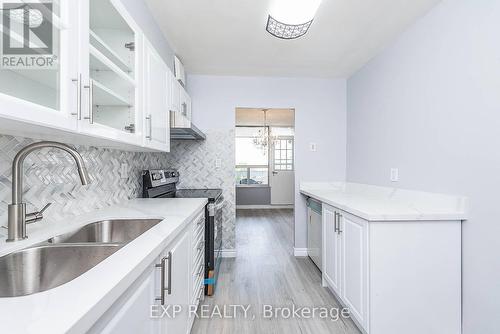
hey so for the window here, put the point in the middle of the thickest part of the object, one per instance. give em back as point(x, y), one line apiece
point(283, 154)
point(252, 160)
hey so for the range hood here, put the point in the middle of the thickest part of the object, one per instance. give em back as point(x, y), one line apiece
point(181, 128)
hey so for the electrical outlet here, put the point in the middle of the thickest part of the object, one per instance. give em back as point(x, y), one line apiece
point(218, 163)
point(312, 147)
point(124, 171)
point(394, 174)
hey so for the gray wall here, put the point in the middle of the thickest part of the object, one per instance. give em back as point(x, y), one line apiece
point(430, 105)
point(253, 195)
point(320, 117)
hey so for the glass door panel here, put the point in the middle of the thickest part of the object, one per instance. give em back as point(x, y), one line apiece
point(32, 65)
point(112, 67)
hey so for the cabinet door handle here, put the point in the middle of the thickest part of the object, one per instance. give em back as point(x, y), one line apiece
point(165, 278)
point(78, 97)
point(335, 228)
point(150, 129)
point(90, 87)
point(340, 223)
point(162, 280)
point(169, 276)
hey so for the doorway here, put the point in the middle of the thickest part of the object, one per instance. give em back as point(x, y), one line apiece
point(265, 166)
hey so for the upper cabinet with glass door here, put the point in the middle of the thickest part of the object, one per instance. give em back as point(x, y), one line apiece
point(39, 65)
point(111, 81)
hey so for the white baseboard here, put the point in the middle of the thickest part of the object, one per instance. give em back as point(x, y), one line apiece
point(299, 252)
point(225, 253)
point(249, 207)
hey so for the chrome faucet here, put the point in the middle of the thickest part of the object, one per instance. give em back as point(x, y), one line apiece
point(18, 218)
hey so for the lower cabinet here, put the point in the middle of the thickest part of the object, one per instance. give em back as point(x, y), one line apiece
point(353, 232)
point(389, 273)
point(331, 249)
point(345, 266)
point(166, 294)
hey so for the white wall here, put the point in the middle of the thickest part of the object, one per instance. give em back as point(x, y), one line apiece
point(319, 117)
point(430, 105)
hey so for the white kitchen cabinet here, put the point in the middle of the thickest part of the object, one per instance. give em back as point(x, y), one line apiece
point(178, 287)
point(388, 273)
point(109, 44)
point(185, 104)
point(47, 96)
point(166, 283)
point(156, 100)
point(353, 233)
point(175, 94)
point(331, 249)
point(131, 313)
point(95, 94)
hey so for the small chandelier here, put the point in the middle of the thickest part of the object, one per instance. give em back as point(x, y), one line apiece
point(290, 19)
point(264, 137)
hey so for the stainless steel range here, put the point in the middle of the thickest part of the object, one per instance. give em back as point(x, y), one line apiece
point(161, 183)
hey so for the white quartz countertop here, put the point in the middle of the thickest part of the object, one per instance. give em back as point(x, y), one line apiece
point(375, 203)
point(75, 306)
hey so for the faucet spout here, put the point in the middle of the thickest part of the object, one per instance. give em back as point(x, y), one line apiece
point(17, 210)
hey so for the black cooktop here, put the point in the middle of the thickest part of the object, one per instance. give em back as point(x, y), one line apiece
point(211, 194)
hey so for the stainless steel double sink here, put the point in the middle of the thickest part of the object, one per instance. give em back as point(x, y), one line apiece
point(67, 256)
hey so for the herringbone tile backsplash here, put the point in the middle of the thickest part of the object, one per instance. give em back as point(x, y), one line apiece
point(196, 163)
point(51, 176)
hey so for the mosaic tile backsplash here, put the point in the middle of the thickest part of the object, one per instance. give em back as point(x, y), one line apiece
point(51, 176)
point(196, 163)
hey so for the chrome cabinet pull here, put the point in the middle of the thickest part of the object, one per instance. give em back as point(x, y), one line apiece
point(162, 279)
point(340, 223)
point(150, 130)
point(169, 276)
point(165, 278)
point(90, 87)
point(78, 97)
point(335, 228)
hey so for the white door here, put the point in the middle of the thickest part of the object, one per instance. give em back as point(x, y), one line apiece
point(178, 285)
point(331, 249)
point(354, 233)
point(282, 175)
point(44, 95)
point(156, 103)
point(110, 45)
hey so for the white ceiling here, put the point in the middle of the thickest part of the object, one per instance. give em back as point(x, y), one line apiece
point(228, 37)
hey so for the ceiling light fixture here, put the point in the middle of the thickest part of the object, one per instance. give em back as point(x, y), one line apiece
point(290, 19)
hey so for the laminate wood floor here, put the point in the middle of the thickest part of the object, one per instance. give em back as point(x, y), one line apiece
point(266, 272)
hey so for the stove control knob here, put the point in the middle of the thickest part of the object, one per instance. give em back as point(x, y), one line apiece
point(173, 174)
